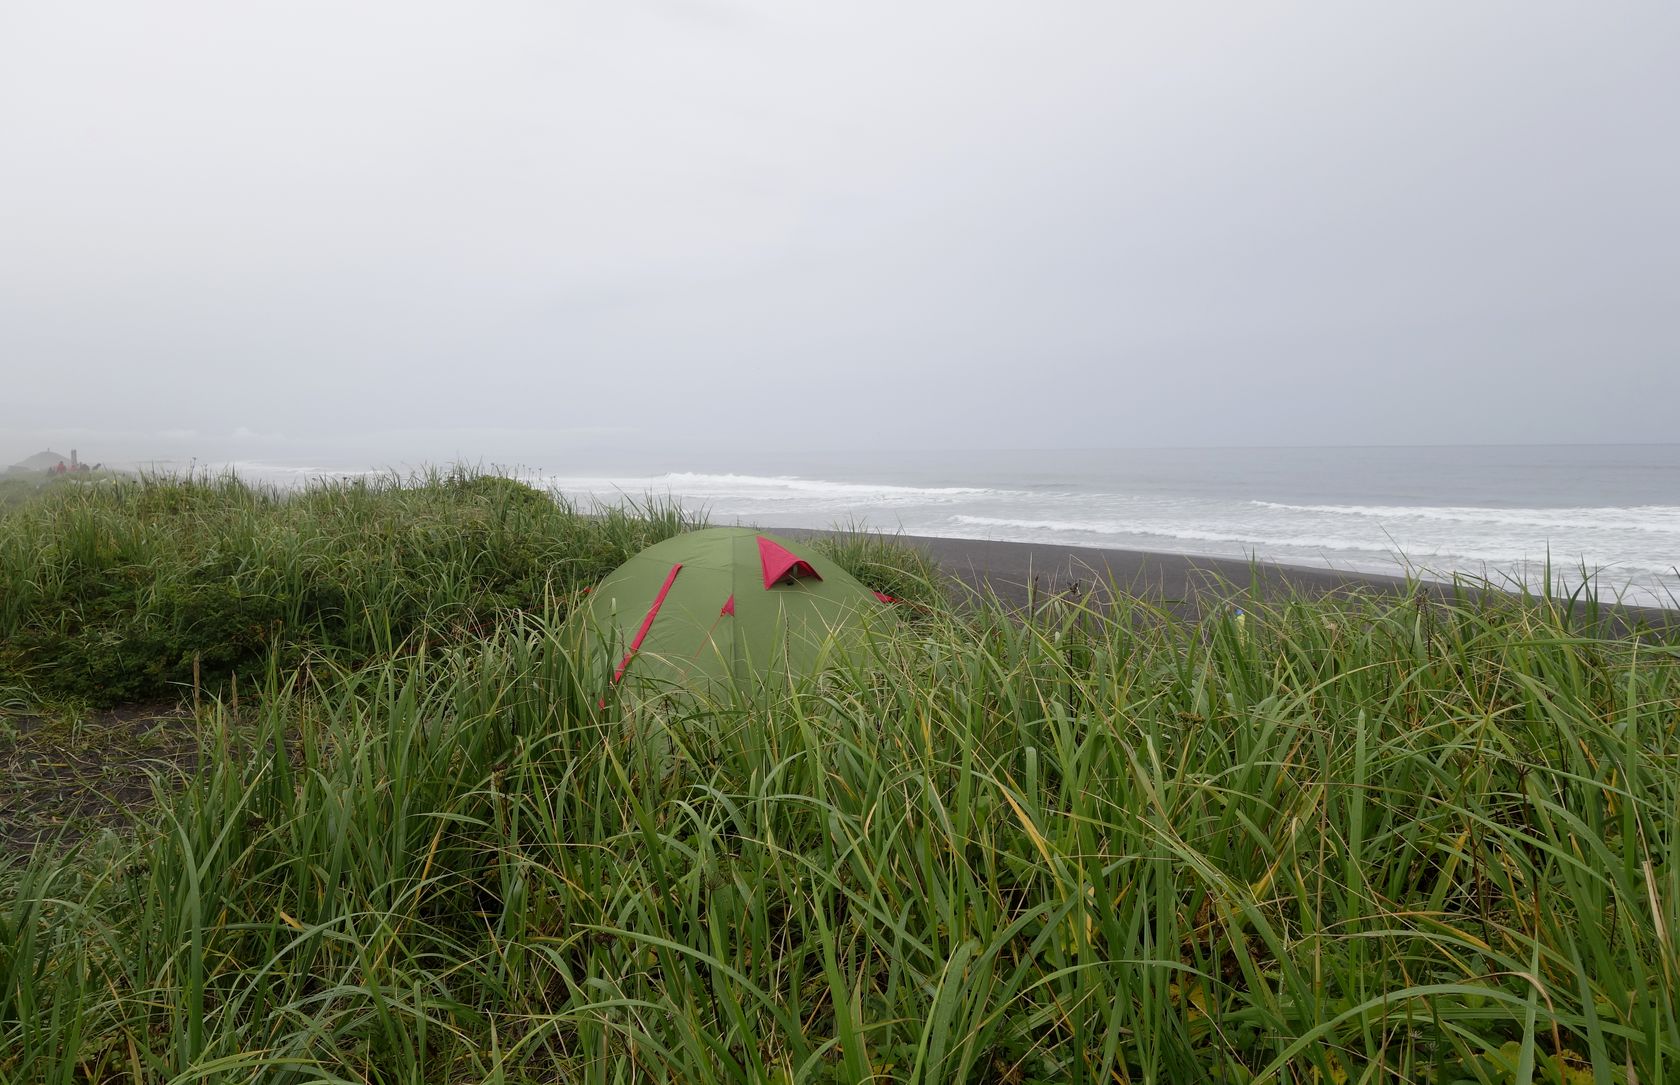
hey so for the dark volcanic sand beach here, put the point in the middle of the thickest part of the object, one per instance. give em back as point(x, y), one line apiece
point(1183, 584)
point(1013, 569)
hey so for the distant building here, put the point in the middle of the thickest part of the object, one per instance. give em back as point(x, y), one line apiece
point(43, 462)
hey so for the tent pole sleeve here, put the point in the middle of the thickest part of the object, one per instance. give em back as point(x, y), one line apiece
point(647, 622)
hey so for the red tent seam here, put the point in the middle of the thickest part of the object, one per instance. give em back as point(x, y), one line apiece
point(647, 622)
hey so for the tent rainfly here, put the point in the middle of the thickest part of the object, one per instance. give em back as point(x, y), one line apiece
point(726, 605)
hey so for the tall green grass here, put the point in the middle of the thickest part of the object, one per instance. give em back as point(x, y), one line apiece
point(111, 592)
point(1356, 840)
point(887, 564)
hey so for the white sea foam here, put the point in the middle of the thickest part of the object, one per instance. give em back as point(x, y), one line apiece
point(818, 485)
point(1449, 550)
point(1664, 519)
point(1191, 532)
point(1089, 527)
point(276, 471)
point(774, 488)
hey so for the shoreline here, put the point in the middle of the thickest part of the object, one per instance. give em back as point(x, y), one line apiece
point(1181, 583)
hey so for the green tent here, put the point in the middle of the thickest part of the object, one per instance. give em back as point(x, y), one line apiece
point(726, 605)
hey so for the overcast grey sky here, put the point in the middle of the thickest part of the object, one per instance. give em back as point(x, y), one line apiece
point(505, 230)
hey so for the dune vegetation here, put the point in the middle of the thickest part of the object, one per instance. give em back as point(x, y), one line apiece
point(1370, 838)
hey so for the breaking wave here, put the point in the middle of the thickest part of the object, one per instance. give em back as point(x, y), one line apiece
point(817, 485)
point(1166, 530)
point(770, 488)
point(1147, 533)
point(1664, 519)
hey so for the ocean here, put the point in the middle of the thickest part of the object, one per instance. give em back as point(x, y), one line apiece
point(1609, 514)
